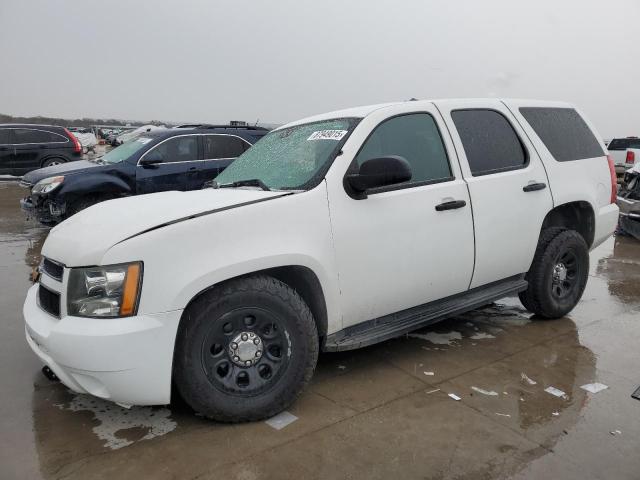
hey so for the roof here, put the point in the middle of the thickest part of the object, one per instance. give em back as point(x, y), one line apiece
point(29, 125)
point(363, 111)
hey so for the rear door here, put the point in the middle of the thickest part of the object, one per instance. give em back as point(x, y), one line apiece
point(507, 182)
point(178, 158)
point(32, 145)
point(219, 150)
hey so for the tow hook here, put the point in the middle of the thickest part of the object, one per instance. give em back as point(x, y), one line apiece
point(47, 372)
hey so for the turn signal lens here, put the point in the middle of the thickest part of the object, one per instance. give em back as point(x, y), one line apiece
point(131, 285)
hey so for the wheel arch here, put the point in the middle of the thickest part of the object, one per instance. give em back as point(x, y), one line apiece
point(577, 215)
point(300, 278)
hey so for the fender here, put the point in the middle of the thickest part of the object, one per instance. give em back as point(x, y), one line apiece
point(75, 186)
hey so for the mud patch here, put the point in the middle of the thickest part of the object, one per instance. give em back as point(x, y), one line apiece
point(119, 427)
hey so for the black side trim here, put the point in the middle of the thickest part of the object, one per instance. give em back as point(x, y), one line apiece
point(202, 214)
point(399, 323)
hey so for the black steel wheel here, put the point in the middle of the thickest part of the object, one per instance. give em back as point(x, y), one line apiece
point(245, 350)
point(558, 275)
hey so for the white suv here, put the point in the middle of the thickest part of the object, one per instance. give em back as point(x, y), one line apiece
point(331, 233)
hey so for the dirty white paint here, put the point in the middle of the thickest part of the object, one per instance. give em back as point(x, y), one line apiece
point(454, 396)
point(556, 392)
point(527, 379)
point(113, 419)
point(491, 393)
point(281, 420)
point(438, 338)
point(482, 336)
point(594, 387)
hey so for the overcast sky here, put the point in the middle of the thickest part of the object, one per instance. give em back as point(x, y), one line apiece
point(205, 60)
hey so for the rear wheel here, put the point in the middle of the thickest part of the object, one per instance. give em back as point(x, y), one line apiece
point(245, 350)
point(558, 274)
point(49, 162)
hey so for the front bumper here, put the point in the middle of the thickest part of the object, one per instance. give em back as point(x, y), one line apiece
point(125, 360)
point(45, 212)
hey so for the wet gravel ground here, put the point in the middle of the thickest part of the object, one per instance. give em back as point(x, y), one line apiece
point(380, 412)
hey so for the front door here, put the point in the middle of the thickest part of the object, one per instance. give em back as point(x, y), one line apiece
point(394, 249)
point(507, 182)
point(177, 158)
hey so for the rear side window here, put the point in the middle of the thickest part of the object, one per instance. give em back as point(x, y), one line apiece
point(223, 146)
point(563, 132)
point(416, 138)
point(27, 135)
point(490, 142)
point(4, 136)
point(624, 143)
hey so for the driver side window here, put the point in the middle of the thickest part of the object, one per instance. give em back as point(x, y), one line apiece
point(416, 138)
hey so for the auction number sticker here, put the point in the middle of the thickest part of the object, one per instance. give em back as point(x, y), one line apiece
point(327, 135)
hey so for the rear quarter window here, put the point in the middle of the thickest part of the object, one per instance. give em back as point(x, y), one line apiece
point(563, 132)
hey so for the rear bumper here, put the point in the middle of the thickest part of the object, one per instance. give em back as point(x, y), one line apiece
point(125, 360)
point(606, 223)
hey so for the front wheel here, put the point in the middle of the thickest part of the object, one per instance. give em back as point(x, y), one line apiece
point(50, 162)
point(245, 350)
point(558, 274)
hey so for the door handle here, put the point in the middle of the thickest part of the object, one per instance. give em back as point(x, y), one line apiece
point(451, 205)
point(534, 187)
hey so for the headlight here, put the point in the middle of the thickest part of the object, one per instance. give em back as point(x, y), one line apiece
point(111, 291)
point(47, 185)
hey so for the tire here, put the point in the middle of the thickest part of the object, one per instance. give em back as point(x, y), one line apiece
point(84, 202)
point(207, 371)
point(558, 274)
point(49, 162)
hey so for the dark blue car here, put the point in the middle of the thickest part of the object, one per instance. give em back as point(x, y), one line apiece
point(172, 159)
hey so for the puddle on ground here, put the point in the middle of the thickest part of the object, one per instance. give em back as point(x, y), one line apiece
point(120, 427)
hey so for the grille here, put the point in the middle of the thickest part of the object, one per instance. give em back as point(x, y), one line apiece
point(49, 301)
point(52, 269)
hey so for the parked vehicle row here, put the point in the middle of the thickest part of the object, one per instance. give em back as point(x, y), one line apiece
point(229, 293)
point(25, 147)
point(156, 161)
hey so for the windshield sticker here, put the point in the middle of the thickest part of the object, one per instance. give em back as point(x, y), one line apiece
point(327, 135)
point(143, 140)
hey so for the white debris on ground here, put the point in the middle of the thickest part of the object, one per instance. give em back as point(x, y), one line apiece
point(527, 379)
point(438, 338)
point(555, 414)
point(556, 392)
point(615, 432)
point(594, 387)
point(430, 374)
point(433, 391)
point(281, 420)
point(491, 393)
point(454, 396)
point(503, 414)
point(342, 367)
point(482, 336)
point(113, 419)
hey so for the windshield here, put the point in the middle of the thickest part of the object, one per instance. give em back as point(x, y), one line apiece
point(291, 158)
point(124, 151)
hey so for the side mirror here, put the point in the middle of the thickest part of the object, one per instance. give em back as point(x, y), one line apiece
point(379, 172)
point(151, 158)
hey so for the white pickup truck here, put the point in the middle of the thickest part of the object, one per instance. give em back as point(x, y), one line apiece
point(331, 233)
point(622, 152)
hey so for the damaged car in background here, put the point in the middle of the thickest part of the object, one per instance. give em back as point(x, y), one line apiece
point(157, 161)
point(629, 203)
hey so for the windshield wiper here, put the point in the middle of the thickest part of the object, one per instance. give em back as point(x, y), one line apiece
point(253, 182)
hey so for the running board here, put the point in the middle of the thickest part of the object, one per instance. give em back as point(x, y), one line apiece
point(396, 324)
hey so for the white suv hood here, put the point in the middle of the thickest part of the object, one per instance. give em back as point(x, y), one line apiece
point(83, 239)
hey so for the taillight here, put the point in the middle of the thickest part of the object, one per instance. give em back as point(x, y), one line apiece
point(614, 179)
point(77, 148)
point(631, 157)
